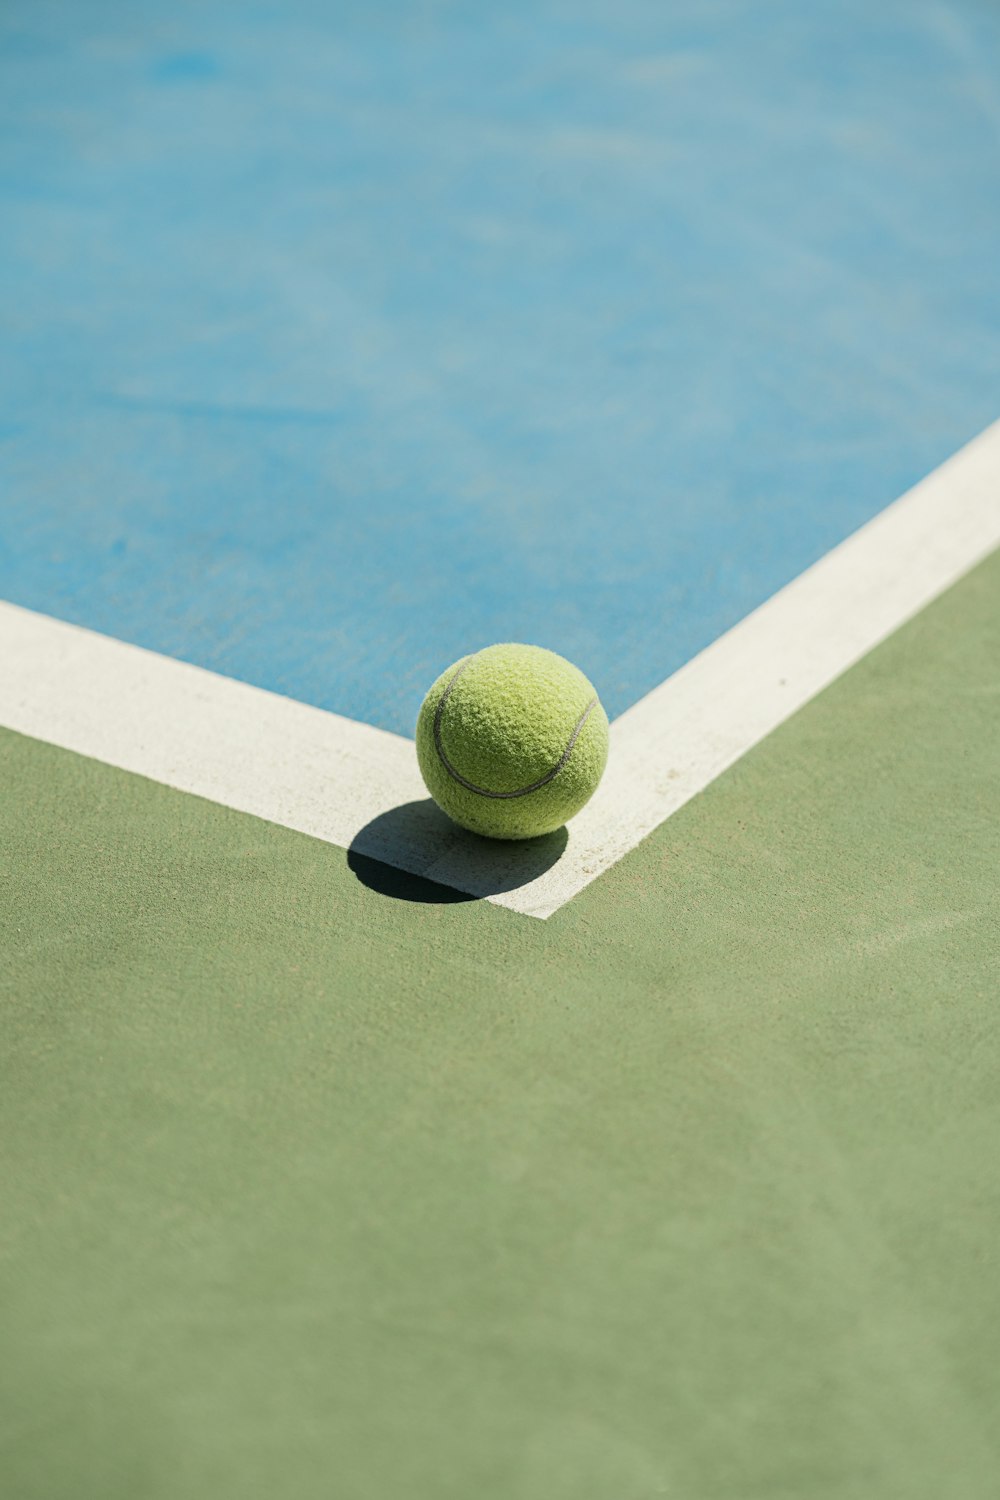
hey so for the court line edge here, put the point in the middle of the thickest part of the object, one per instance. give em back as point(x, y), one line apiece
point(357, 786)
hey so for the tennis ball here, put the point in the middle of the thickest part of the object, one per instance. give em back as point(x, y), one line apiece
point(512, 741)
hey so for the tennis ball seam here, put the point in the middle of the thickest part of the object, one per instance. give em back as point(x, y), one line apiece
point(482, 791)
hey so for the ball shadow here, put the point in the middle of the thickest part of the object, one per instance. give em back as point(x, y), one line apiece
point(395, 853)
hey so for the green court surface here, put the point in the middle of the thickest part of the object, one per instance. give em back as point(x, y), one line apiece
point(310, 1190)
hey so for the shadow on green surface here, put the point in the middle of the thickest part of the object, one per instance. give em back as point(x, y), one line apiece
point(417, 835)
point(402, 886)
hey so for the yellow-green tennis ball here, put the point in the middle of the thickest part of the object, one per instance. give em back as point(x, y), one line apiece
point(512, 741)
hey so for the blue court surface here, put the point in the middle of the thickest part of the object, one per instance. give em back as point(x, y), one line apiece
point(341, 339)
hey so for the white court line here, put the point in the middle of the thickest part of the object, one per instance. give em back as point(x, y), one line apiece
point(344, 782)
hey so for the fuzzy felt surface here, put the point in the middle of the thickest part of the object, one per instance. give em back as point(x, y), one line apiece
point(508, 716)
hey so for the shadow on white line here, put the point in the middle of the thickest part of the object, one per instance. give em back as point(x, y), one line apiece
point(407, 853)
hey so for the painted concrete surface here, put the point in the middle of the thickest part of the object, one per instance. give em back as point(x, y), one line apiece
point(313, 1185)
point(341, 340)
point(352, 784)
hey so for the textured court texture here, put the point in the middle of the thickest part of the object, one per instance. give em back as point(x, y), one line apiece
point(340, 339)
point(318, 1179)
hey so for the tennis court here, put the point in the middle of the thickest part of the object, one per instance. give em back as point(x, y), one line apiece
point(341, 1152)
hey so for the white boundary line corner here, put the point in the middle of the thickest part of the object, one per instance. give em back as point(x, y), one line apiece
point(359, 787)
